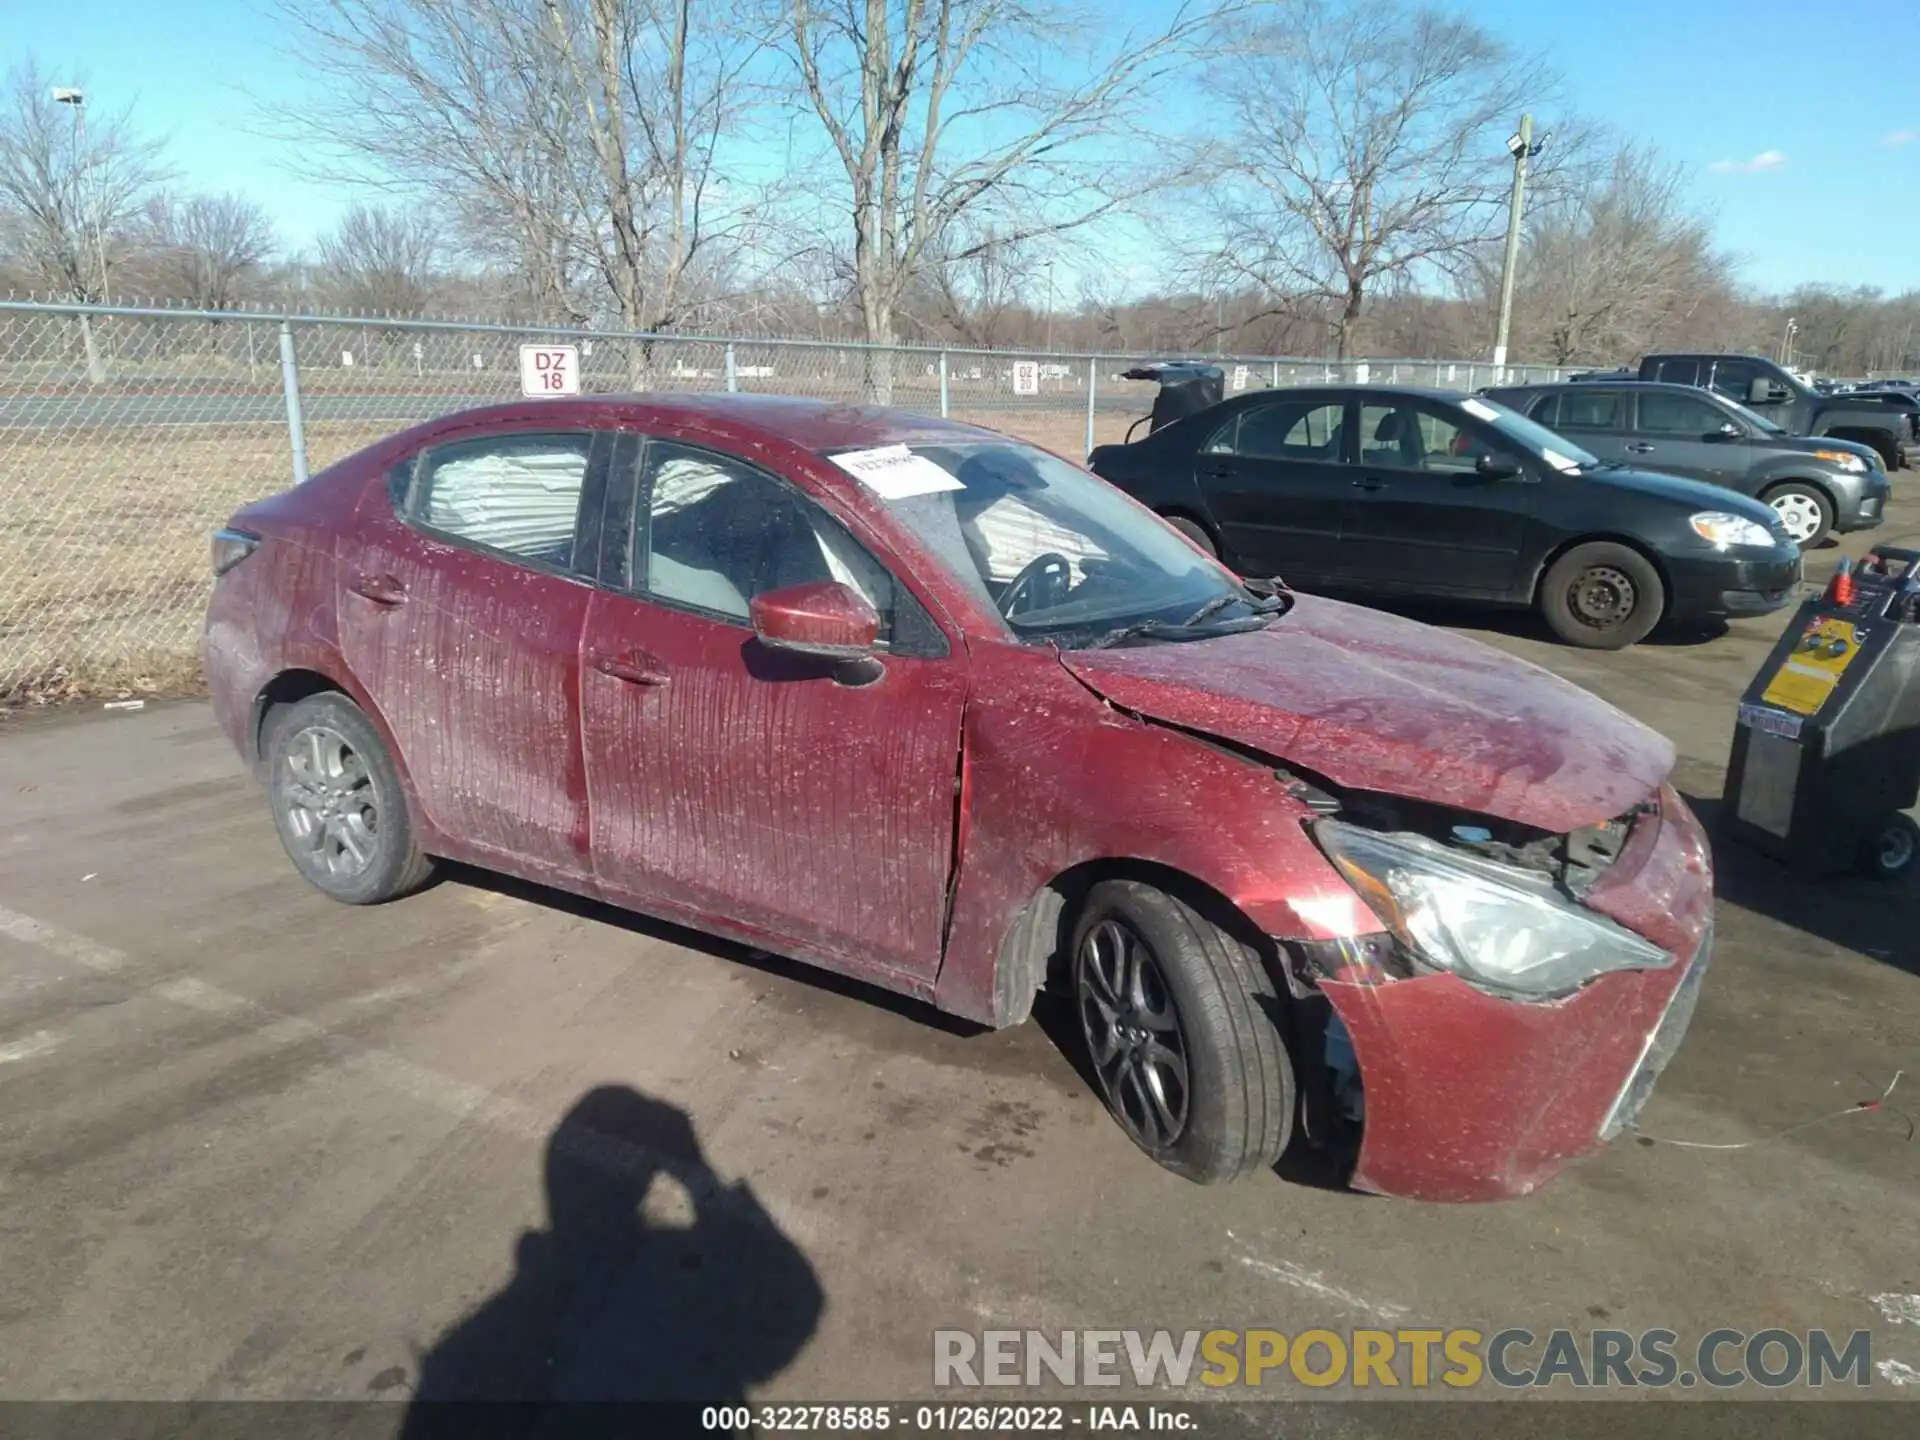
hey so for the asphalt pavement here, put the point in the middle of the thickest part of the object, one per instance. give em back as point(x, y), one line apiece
point(257, 1145)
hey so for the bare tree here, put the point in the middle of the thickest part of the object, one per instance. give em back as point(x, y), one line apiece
point(1618, 264)
point(380, 258)
point(204, 248)
point(577, 140)
point(949, 114)
point(1363, 145)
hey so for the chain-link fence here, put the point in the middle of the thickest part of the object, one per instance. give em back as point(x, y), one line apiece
point(127, 435)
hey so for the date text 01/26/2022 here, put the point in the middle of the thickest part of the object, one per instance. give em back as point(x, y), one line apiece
point(942, 1419)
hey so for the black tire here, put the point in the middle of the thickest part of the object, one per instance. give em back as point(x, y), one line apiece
point(1194, 531)
point(1235, 1110)
point(1602, 596)
point(1890, 850)
point(1799, 500)
point(338, 803)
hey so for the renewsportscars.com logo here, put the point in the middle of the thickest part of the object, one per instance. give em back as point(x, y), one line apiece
point(1415, 1359)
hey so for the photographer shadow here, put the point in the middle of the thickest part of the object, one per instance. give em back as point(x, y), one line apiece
point(656, 1290)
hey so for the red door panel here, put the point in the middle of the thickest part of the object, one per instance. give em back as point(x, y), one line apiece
point(473, 660)
point(736, 782)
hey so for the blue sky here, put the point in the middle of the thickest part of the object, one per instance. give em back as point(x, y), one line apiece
point(1812, 93)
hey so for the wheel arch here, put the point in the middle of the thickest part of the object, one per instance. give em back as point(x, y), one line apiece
point(1184, 510)
point(1035, 951)
point(301, 682)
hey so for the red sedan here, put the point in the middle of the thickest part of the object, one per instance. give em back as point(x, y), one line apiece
point(925, 705)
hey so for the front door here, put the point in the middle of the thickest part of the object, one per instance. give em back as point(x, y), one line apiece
point(1275, 481)
point(1426, 520)
point(462, 597)
point(1680, 435)
point(788, 796)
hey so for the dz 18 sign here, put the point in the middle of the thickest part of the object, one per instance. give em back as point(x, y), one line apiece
point(549, 370)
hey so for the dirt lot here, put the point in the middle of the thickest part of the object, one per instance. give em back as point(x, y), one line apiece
point(258, 1145)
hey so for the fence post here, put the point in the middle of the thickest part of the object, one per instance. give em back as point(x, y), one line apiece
point(1093, 384)
point(1276, 376)
point(733, 375)
point(253, 370)
point(290, 384)
point(943, 385)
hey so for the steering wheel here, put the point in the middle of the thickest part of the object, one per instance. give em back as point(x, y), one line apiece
point(1043, 581)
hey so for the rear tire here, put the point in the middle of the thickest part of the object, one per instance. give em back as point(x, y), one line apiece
point(1181, 1025)
point(1602, 596)
point(1803, 509)
point(1891, 849)
point(1194, 531)
point(338, 803)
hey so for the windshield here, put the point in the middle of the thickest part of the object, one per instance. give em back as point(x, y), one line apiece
point(1061, 556)
point(1531, 436)
point(1752, 417)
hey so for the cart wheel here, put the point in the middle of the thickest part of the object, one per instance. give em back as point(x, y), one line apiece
point(1890, 848)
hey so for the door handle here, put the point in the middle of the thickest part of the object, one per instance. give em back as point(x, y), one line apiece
point(635, 669)
point(1370, 483)
point(1641, 447)
point(381, 589)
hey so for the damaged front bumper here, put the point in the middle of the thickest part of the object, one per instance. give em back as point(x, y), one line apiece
point(1472, 1096)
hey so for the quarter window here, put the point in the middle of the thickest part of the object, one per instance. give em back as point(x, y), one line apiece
point(517, 494)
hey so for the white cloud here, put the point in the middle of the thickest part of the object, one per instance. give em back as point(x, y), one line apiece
point(1765, 160)
point(1900, 137)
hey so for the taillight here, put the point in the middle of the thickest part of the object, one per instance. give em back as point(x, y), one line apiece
point(230, 547)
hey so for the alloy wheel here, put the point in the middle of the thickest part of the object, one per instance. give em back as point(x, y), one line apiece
point(1133, 1033)
point(332, 810)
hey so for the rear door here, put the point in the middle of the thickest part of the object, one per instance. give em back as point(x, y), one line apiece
point(1597, 419)
point(1425, 519)
point(1680, 435)
point(462, 596)
point(1277, 482)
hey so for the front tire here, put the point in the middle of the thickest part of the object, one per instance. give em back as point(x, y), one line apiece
point(1891, 849)
point(1181, 1026)
point(338, 803)
point(1602, 596)
point(1804, 510)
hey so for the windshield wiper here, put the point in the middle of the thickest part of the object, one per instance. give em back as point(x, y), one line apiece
point(1212, 607)
point(1259, 608)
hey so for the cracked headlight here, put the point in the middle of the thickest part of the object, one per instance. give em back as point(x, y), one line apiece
point(1501, 928)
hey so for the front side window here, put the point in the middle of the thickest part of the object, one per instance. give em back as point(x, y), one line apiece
point(1678, 415)
point(1062, 556)
point(1402, 435)
point(517, 494)
point(717, 532)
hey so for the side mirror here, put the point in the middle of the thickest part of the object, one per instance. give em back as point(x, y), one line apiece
point(823, 618)
point(1765, 392)
point(1496, 467)
point(1728, 431)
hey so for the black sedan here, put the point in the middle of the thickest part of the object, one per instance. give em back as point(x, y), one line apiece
point(1815, 484)
point(1376, 490)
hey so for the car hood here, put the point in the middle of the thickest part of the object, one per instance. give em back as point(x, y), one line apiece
point(1373, 702)
point(1694, 494)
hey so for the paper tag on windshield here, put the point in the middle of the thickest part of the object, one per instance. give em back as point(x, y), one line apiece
point(1479, 409)
point(893, 472)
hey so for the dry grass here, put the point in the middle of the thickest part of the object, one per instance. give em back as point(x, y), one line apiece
point(103, 537)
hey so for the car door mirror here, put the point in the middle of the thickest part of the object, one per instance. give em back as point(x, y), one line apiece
point(1496, 467)
point(1764, 392)
point(1727, 431)
point(822, 617)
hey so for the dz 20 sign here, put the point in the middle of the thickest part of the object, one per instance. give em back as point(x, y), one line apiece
point(549, 370)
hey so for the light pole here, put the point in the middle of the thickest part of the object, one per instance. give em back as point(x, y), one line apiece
point(1786, 340)
point(1523, 147)
point(1049, 307)
point(83, 160)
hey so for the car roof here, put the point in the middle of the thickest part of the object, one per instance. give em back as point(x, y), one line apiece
point(1587, 386)
point(812, 424)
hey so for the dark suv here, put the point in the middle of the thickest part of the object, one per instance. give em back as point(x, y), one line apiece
point(1815, 485)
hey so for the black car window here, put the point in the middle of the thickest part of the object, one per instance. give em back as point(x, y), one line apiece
point(1546, 410)
point(715, 532)
point(1734, 378)
point(1410, 435)
point(517, 495)
point(1292, 430)
point(1677, 415)
point(1592, 410)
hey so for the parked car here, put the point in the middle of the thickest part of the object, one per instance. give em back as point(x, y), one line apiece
point(1887, 421)
point(1384, 491)
point(1816, 487)
point(917, 703)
